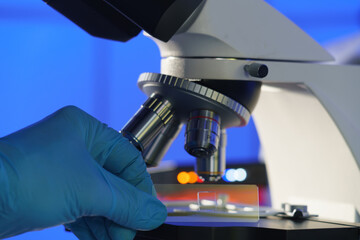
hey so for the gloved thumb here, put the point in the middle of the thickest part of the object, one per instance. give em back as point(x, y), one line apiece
point(124, 204)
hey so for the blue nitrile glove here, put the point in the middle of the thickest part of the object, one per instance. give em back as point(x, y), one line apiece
point(71, 169)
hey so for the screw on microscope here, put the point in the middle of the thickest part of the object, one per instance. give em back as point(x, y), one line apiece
point(257, 70)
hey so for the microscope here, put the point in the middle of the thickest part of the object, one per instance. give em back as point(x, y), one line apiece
point(223, 61)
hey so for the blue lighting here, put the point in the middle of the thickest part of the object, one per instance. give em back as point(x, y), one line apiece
point(240, 174)
point(235, 175)
point(229, 175)
point(47, 62)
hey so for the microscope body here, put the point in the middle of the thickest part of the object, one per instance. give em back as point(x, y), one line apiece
point(307, 113)
point(306, 109)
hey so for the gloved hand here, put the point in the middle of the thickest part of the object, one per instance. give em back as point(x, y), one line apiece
point(71, 169)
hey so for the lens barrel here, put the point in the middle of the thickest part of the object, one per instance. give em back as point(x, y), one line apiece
point(212, 168)
point(202, 133)
point(157, 149)
point(148, 121)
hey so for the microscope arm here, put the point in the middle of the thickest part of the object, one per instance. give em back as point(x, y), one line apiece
point(308, 120)
point(307, 125)
point(252, 31)
point(122, 20)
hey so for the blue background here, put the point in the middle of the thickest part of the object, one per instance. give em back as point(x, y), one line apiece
point(47, 62)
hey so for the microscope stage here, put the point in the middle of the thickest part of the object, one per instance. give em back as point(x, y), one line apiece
point(265, 228)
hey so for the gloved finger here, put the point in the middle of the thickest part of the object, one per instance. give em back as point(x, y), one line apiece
point(123, 203)
point(81, 230)
point(105, 229)
point(118, 232)
point(110, 149)
point(97, 227)
point(126, 162)
point(98, 138)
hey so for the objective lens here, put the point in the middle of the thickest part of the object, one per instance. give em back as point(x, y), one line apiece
point(202, 133)
point(157, 149)
point(148, 121)
point(212, 168)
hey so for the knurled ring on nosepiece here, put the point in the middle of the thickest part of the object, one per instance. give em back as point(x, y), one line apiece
point(186, 95)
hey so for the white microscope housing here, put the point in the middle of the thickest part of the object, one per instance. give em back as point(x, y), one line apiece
point(308, 113)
